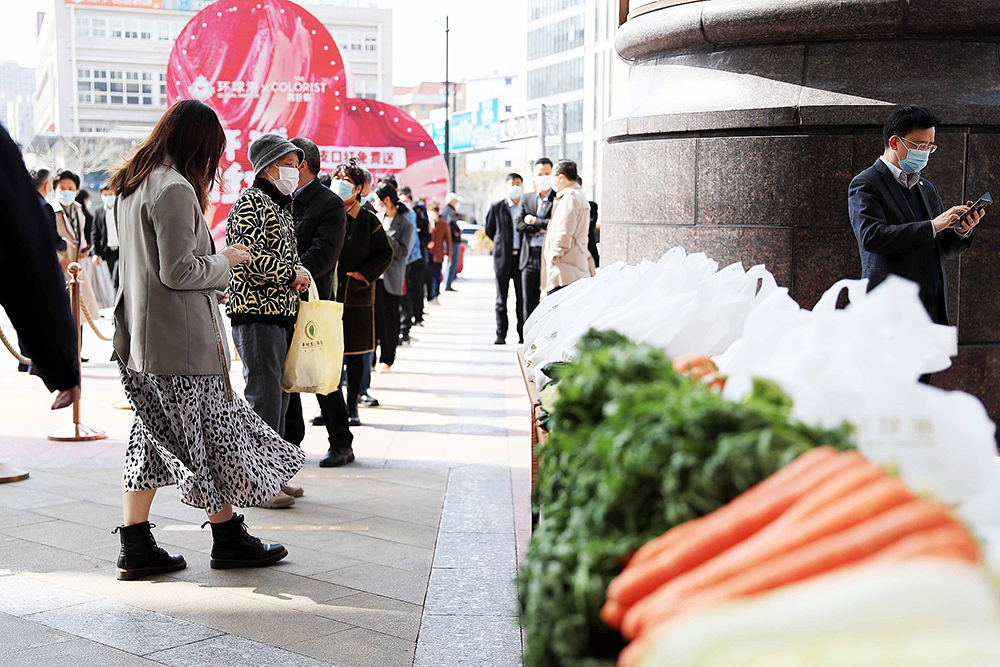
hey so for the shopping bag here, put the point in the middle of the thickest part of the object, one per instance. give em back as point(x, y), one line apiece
point(316, 356)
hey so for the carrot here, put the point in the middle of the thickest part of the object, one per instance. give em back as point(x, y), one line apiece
point(950, 541)
point(694, 366)
point(632, 653)
point(612, 613)
point(855, 508)
point(729, 525)
point(800, 465)
point(832, 490)
point(826, 554)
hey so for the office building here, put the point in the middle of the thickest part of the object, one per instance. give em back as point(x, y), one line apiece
point(102, 63)
point(420, 100)
point(17, 100)
point(573, 73)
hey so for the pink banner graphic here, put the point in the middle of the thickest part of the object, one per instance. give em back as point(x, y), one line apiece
point(271, 66)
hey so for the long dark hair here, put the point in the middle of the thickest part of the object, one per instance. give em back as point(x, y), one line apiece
point(189, 133)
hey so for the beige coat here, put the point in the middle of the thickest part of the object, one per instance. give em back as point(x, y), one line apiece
point(78, 250)
point(167, 317)
point(565, 256)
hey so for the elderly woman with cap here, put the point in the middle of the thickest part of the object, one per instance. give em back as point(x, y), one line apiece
point(263, 293)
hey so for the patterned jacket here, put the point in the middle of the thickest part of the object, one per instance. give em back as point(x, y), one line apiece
point(260, 289)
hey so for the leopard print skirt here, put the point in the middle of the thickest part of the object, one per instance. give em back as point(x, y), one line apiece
point(188, 433)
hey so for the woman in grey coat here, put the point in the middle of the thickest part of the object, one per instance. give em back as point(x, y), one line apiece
point(391, 286)
point(190, 428)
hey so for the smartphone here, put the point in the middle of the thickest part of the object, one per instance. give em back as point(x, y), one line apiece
point(980, 204)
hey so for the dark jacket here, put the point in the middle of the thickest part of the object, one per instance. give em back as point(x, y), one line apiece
point(99, 235)
point(32, 285)
point(261, 289)
point(532, 204)
point(320, 227)
point(895, 240)
point(450, 216)
point(593, 237)
point(500, 229)
point(58, 242)
point(366, 251)
point(423, 227)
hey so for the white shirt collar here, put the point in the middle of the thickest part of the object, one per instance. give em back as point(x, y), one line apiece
point(904, 179)
point(510, 203)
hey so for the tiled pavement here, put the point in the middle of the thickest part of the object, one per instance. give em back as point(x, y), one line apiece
point(406, 557)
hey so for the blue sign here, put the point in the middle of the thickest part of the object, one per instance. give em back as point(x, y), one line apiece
point(476, 129)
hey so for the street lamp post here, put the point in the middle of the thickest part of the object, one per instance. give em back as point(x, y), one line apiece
point(447, 108)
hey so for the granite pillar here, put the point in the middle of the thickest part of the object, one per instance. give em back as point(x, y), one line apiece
point(745, 121)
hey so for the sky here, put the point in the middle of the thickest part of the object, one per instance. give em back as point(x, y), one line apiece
point(486, 36)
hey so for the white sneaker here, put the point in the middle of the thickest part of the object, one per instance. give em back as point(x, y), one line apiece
point(434, 302)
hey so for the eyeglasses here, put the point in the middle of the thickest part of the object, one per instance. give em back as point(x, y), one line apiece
point(930, 148)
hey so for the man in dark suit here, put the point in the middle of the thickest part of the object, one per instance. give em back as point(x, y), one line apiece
point(899, 218)
point(104, 233)
point(536, 209)
point(320, 227)
point(507, 245)
point(32, 285)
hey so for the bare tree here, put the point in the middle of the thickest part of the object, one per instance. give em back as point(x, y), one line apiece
point(482, 188)
point(81, 154)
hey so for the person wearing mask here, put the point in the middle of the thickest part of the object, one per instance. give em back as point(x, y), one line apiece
point(320, 226)
point(899, 218)
point(413, 280)
point(32, 287)
point(264, 292)
point(190, 428)
point(41, 181)
point(83, 199)
point(401, 230)
point(365, 255)
point(565, 256)
point(105, 234)
point(438, 249)
point(71, 225)
point(507, 244)
point(417, 279)
point(532, 222)
point(450, 215)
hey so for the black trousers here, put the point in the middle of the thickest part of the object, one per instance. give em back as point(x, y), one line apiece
point(386, 323)
point(334, 411)
point(411, 305)
point(505, 275)
point(531, 281)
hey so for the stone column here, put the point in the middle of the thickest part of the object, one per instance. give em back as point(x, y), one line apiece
point(746, 120)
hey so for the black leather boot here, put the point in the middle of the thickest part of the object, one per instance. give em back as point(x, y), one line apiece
point(140, 556)
point(234, 546)
point(337, 457)
point(353, 418)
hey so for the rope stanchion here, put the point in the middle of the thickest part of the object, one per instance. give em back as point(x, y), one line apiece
point(76, 432)
point(9, 474)
point(90, 321)
point(21, 359)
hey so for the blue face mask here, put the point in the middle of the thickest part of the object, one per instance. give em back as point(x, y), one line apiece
point(915, 160)
point(109, 200)
point(66, 197)
point(343, 189)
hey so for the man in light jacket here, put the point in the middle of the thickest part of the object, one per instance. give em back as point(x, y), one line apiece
point(565, 256)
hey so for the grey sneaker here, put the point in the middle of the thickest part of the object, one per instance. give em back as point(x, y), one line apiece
point(279, 502)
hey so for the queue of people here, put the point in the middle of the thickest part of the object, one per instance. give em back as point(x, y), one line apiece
point(542, 240)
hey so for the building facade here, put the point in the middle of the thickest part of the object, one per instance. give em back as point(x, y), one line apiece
point(17, 100)
point(572, 75)
point(102, 63)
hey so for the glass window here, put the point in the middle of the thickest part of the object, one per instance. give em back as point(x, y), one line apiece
point(99, 28)
point(115, 28)
point(146, 31)
point(132, 99)
point(131, 30)
point(540, 8)
point(508, 108)
point(164, 31)
point(132, 76)
point(574, 116)
point(147, 101)
point(508, 81)
point(554, 79)
point(116, 99)
point(84, 85)
point(131, 88)
point(371, 44)
point(116, 88)
point(82, 26)
point(556, 38)
point(84, 98)
point(101, 86)
point(147, 89)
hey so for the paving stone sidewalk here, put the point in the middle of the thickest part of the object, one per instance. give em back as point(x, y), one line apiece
point(406, 557)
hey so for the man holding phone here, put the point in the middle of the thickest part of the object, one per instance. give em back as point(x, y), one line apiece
point(899, 218)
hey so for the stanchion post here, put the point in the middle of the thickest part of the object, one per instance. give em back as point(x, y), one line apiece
point(77, 432)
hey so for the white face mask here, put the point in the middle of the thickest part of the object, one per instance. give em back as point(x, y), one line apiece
point(66, 197)
point(543, 183)
point(514, 192)
point(288, 180)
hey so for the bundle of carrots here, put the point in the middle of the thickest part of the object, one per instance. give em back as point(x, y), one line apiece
point(825, 510)
point(700, 368)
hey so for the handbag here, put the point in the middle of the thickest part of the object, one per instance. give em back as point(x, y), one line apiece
point(315, 357)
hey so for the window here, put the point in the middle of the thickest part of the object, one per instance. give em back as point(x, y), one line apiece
point(99, 28)
point(371, 44)
point(507, 163)
point(509, 81)
point(355, 42)
point(115, 28)
point(163, 89)
point(508, 109)
point(540, 8)
point(82, 26)
point(574, 116)
point(146, 31)
point(554, 79)
point(117, 87)
point(131, 30)
point(164, 31)
point(556, 38)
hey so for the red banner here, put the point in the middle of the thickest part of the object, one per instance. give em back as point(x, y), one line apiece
point(271, 66)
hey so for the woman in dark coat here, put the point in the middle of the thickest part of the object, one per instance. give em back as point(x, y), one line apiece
point(365, 255)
